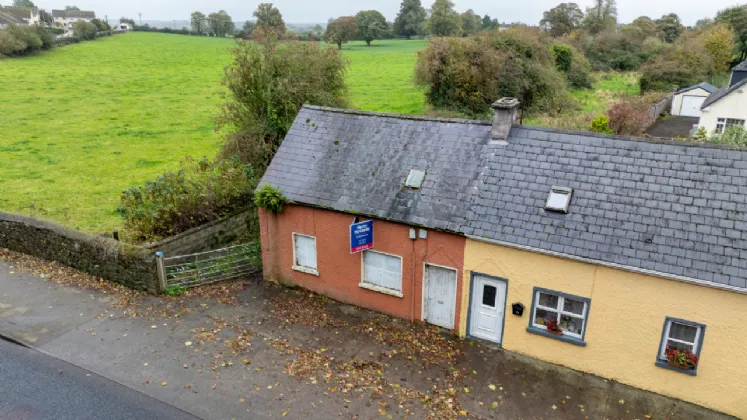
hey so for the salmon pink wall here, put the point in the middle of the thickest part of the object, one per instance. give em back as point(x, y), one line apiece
point(340, 272)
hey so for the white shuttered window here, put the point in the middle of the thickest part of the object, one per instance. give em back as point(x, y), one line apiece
point(304, 250)
point(382, 270)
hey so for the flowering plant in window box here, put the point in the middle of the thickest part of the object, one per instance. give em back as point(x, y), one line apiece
point(553, 327)
point(682, 359)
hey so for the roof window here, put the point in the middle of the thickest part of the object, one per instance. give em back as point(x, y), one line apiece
point(559, 199)
point(415, 179)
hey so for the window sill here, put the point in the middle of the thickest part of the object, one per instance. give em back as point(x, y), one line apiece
point(564, 338)
point(665, 365)
point(306, 270)
point(380, 289)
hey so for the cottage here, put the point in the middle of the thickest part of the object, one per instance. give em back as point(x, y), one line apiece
point(600, 253)
point(726, 106)
point(7, 19)
point(687, 102)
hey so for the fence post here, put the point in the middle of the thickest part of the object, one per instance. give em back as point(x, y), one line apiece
point(161, 271)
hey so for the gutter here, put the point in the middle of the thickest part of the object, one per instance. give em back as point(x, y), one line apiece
point(629, 268)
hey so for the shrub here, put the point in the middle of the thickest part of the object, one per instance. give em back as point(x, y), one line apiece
point(614, 50)
point(601, 124)
point(85, 30)
point(268, 84)
point(574, 65)
point(20, 40)
point(735, 135)
point(630, 117)
point(468, 74)
point(270, 198)
point(667, 73)
point(199, 192)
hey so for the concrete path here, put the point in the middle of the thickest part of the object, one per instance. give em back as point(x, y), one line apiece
point(256, 350)
point(672, 126)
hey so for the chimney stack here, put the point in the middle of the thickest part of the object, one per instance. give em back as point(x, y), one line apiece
point(504, 115)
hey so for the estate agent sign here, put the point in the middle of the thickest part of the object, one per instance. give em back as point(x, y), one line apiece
point(361, 236)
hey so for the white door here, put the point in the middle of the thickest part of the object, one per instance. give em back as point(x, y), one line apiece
point(691, 106)
point(488, 307)
point(440, 300)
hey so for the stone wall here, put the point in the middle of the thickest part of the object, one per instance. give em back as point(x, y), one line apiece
point(214, 235)
point(121, 263)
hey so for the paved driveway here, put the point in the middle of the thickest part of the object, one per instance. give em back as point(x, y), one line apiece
point(671, 127)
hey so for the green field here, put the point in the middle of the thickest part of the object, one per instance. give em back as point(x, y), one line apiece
point(81, 123)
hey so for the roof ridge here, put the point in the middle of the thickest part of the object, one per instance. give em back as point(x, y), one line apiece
point(638, 139)
point(397, 116)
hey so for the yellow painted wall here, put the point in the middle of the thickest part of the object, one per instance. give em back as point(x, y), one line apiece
point(624, 328)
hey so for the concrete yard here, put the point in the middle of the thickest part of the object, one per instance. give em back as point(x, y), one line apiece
point(251, 349)
point(672, 127)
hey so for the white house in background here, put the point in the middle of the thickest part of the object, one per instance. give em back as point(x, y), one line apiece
point(122, 27)
point(687, 102)
point(726, 106)
point(66, 18)
point(19, 16)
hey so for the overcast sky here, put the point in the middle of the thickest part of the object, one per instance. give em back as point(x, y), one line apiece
point(314, 11)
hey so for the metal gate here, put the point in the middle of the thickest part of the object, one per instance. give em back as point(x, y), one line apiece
point(210, 266)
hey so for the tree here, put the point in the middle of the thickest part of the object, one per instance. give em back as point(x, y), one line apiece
point(220, 23)
point(702, 23)
point(444, 21)
point(269, 20)
point(72, 8)
point(371, 25)
point(127, 20)
point(45, 17)
point(341, 30)
point(199, 22)
point(267, 88)
point(669, 27)
point(718, 42)
point(562, 19)
point(489, 24)
point(468, 74)
point(85, 30)
point(101, 26)
point(736, 18)
point(601, 17)
point(247, 29)
point(24, 3)
point(470, 22)
point(641, 28)
point(410, 19)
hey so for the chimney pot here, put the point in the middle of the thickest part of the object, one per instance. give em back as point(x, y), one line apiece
point(504, 115)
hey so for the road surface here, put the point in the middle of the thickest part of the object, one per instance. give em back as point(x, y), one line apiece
point(35, 386)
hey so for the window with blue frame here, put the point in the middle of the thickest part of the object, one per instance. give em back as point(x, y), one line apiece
point(681, 342)
point(569, 313)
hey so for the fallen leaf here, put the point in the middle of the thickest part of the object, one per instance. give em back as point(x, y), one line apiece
point(187, 343)
point(492, 387)
point(164, 383)
point(621, 401)
point(554, 407)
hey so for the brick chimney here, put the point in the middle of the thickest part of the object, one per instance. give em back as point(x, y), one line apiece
point(504, 115)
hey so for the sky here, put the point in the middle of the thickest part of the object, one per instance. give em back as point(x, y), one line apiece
point(318, 11)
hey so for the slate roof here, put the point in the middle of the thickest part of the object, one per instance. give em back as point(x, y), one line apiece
point(358, 162)
point(741, 66)
point(676, 208)
point(721, 93)
point(69, 14)
point(703, 85)
point(19, 13)
point(8, 19)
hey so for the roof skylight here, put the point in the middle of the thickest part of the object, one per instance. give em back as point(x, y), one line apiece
point(415, 179)
point(559, 199)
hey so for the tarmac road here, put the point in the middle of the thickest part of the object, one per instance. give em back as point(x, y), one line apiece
point(35, 386)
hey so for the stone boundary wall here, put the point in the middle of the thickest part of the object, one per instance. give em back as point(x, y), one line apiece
point(659, 108)
point(214, 235)
point(129, 265)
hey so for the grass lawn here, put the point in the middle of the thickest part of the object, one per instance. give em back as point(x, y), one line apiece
point(608, 88)
point(83, 122)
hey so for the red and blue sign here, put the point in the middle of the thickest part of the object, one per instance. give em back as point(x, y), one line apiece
point(361, 236)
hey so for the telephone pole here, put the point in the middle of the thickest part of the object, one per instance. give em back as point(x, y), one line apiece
point(140, 15)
